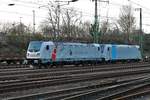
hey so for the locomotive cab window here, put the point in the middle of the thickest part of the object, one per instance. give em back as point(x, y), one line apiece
point(47, 47)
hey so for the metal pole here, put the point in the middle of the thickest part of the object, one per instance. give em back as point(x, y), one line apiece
point(58, 27)
point(33, 21)
point(96, 16)
point(96, 23)
point(141, 33)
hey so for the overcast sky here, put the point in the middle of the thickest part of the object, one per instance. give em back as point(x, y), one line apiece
point(23, 10)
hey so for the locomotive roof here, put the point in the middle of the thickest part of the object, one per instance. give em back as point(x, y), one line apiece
point(85, 44)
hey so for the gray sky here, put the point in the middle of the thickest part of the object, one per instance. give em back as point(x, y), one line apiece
point(24, 8)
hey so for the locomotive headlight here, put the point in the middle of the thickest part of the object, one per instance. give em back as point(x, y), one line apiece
point(28, 54)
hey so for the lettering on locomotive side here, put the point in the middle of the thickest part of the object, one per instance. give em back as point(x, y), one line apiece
point(102, 48)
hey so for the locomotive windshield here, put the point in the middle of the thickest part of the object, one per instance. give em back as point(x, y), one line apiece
point(34, 46)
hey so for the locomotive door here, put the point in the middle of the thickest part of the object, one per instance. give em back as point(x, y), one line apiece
point(113, 52)
point(109, 53)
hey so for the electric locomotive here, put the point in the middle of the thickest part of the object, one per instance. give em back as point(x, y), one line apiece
point(54, 53)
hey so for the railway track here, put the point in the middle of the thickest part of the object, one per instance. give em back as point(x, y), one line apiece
point(20, 69)
point(120, 93)
point(13, 66)
point(48, 75)
point(72, 66)
point(18, 80)
point(111, 92)
point(33, 83)
point(15, 75)
point(138, 94)
point(59, 94)
point(133, 93)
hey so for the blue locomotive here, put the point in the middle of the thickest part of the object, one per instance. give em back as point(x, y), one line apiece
point(52, 53)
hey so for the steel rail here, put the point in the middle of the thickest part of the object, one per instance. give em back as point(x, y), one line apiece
point(67, 79)
point(58, 73)
point(59, 94)
point(120, 93)
point(103, 67)
point(133, 93)
point(101, 94)
point(138, 94)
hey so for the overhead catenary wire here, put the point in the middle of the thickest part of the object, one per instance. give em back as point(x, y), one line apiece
point(32, 2)
point(87, 14)
point(37, 4)
point(25, 14)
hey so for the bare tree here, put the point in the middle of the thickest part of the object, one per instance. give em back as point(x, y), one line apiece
point(64, 22)
point(104, 27)
point(71, 21)
point(50, 24)
point(52, 19)
point(20, 29)
point(127, 21)
point(86, 28)
point(5, 27)
point(46, 29)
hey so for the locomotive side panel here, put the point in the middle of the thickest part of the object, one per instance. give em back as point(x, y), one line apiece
point(77, 52)
point(121, 52)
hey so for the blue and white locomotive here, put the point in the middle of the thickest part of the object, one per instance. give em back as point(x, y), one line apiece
point(49, 52)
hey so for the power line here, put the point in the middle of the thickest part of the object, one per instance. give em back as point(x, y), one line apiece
point(115, 4)
point(37, 4)
point(77, 9)
point(148, 9)
point(139, 5)
point(143, 7)
point(146, 24)
point(25, 14)
point(30, 2)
